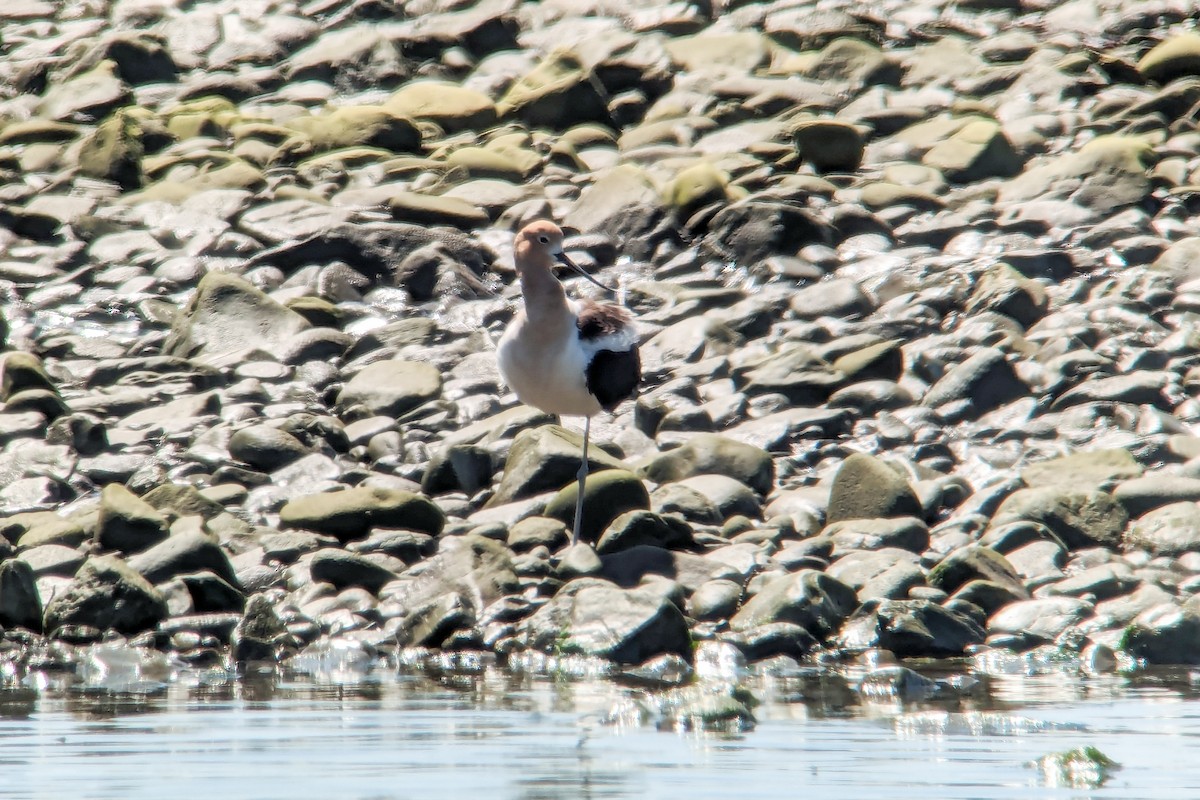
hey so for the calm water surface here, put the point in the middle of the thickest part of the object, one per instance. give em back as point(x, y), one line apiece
point(484, 732)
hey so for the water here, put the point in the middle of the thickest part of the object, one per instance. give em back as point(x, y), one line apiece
point(383, 731)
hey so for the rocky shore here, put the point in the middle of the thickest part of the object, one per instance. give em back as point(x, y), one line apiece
point(918, 286)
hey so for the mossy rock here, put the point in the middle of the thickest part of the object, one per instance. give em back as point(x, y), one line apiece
point(589, 135)
point(263, 131)
point(21, 371)
point(1106, 173)
point(518, 148)
point(360, 126)
point(60, 531)
point(854, 61)
point(641, 527)
point(226, 316)
point(351, 513)
point(313, 169)
point(606, 496)
point(712, 454)
point(237, 174)
point(545, 459)
point(881, 194)
point(209, 104)
point(126, 522)
point(975, 563)
point(1005, 291)
point(976, 151)
point(1172, 58)
point(1081, 768)
point(453, 108)
point(392, 387)
point(817, 602)
point(695, 187)
point(39, 131)
point(879, 361)
point(183, 500)
point(319, 312)
point(556, 94)
point(483, 162)
point(432, 210)
point(89, 96)
point(113, 152)
point(1079, 516)
point(44, 401)
point(192, 126)
point(737, 50)
point(564, 155)
point(159, 166)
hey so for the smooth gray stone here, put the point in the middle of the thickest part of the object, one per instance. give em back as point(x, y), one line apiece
point(598, 618)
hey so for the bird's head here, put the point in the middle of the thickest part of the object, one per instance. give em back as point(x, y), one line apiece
point(539, 245)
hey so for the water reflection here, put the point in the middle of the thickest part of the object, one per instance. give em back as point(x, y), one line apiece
point(456, 728)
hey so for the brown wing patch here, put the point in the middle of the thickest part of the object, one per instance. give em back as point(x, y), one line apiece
point(613, 376)
point(597, 320)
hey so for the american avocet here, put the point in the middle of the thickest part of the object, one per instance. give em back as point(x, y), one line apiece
point(565, 356)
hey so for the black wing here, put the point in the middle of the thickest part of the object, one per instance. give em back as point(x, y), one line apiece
point(614, 375)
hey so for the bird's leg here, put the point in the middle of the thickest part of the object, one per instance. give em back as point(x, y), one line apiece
point(583, 472)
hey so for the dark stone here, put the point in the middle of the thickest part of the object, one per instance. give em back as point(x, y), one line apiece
point(750, 231)
point(986, 379)
point(181, 554)
point(260, 635)
point(126, 522)
point(910, 629)
point(773, 639)
point(905, 533)
point(810, 599)
point(606, 496)
point(867, 488)
point(1136, 389)
point(20, 604)
point(432, 622)
point(627, 568)
point(1166, 635)
point(464, 467)
point(265, 447)
point(596, 618)
point(709, 454)
point(640, 527)
point(374, 249)
point(351, 513)
point(987, 595)
point(408, 546)
point(344, 569)
point(449, 591)
point(1078, 517)
point(973, 563)
point(107, 594)
point(227, 316)
point(212, 594)
point(84, 433)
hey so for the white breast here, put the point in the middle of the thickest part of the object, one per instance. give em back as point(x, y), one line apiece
point(549, 374)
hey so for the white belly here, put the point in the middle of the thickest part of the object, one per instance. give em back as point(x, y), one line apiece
point(551, 378)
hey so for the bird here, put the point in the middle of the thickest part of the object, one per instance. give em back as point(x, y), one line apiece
point(564, 356)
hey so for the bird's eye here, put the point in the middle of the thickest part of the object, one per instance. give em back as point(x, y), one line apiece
point(544, 239)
